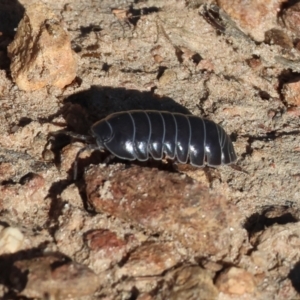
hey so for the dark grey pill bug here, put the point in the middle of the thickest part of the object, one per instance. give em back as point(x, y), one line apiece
point(140, 134)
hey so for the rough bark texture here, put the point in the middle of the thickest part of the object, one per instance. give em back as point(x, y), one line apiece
point(149, 230)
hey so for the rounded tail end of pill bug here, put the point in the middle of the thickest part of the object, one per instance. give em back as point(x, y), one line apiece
point(228, 155)
point(232, 154)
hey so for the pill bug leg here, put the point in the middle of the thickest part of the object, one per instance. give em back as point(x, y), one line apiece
point(75, 168)
point(91, 145)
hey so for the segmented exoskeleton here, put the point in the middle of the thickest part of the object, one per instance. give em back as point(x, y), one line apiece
point(138, 134)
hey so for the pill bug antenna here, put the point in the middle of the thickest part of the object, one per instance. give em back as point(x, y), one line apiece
point(88, 139)
point(82, 137)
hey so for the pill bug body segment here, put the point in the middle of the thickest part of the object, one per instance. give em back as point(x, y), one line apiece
point(137, 135)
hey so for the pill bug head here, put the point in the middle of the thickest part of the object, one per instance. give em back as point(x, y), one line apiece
point(102, 132)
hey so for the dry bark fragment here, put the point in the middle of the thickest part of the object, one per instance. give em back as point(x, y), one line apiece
point(291, 92)
point(170, 203)
point(255, 17)
point(291, 18)
point(103, 239)
point(11, 240)
point(41, 52)
point(277, 243)
point(106, 249)
point(236, 281)
point(189, 282)
point(150, 259)
point(54, 276)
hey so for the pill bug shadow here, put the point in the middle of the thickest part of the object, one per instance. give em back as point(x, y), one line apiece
point(83, 109)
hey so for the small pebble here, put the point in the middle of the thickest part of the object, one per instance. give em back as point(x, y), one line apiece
point(11, 240)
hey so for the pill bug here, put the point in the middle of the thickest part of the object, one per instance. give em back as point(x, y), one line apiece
point(138, 134)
